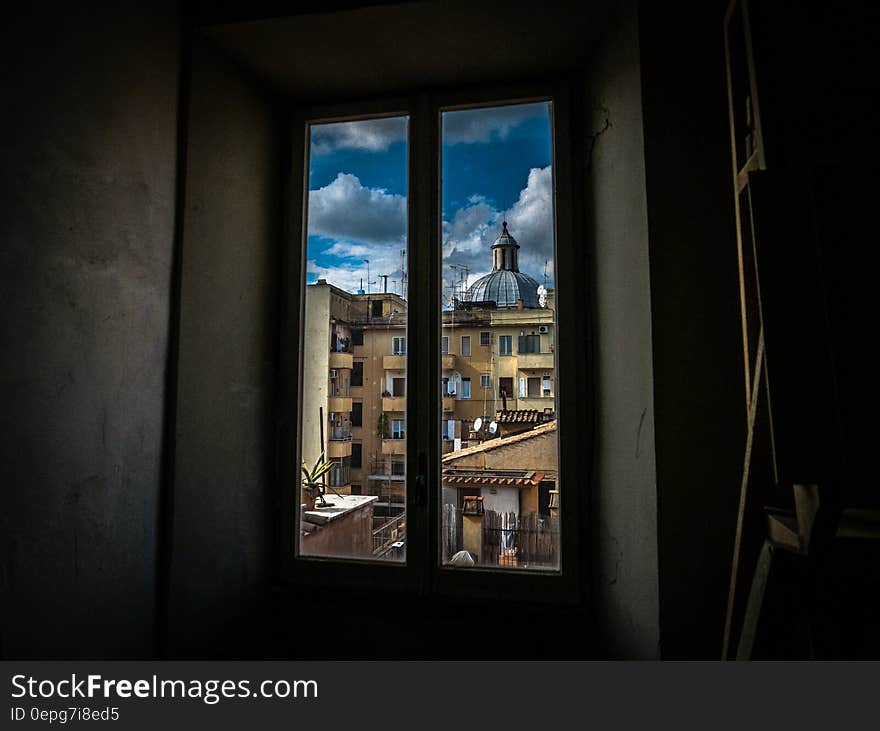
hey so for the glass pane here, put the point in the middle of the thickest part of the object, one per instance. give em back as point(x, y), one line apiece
point(500, 494)
point(354, 344)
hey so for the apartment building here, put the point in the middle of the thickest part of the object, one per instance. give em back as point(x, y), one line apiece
point(497, 351)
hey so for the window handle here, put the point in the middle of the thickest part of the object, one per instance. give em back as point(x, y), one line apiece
point(422, 481)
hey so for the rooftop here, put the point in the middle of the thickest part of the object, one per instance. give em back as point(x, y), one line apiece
point(502, 441)
point(340, 505)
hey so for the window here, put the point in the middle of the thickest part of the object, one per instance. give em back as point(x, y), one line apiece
point(534, 387)
point(529, 344)
point(339, 314)
point(356, 489)
point(357, 372)
point(458, 302)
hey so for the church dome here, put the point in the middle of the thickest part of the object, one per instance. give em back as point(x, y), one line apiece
point(504, 288)
point(505, 284)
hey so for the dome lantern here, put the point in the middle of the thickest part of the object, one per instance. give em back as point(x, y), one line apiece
point(505, 285)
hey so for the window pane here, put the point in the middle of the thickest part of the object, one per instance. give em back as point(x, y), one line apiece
point(354, 346)
point(499, 486)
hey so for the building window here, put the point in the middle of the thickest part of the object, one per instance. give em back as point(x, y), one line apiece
point(398, 345)
point(444, 345)
point(529, 344)
point(505, 344)
point(357, 336)
point(505, 387)
point(466, 345)
point(484, 338)
point(357, 454)
point(357, 413)
point(377, 308)
point(465, 388)
point(398, 428)
point(485, 380)
point(357, 373)
point(398, 468)
point(356, 489)
point(546, 386)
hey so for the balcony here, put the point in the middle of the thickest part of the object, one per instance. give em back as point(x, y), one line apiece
point(447, 362)
point(536, 402)
point(394, 403)
point(394, 362)
point(339, 404)
point(341, 360)
point(394, 446)
point(535, 361)
point(448, 403)
point(339, 447)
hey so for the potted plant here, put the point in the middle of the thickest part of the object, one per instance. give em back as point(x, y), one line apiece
point(382, 430)
point(311, 482)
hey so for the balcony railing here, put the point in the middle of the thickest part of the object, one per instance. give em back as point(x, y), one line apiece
point(386, 533)
point(341, 359)
point(535, 361)
point(339, 434)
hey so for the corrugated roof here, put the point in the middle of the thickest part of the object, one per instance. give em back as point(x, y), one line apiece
point(518, 416)
point(493, 478)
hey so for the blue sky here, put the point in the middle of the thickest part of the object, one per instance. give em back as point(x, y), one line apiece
point(496, 165)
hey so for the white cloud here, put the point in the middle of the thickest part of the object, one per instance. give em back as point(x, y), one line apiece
point(480, 125)
point(346, 210)
point(373, 135)
point(467, 238)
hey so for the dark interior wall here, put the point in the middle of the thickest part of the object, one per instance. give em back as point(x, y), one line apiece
point(88, 150)
point(697, 335)
point(624, 499)
point(224, 525)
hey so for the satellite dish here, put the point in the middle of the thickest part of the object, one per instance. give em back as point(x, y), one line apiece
point(542, 295)
point(493, 427)
point(478, 424)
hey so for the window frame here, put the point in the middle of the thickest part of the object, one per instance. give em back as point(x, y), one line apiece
point(422, 572)
point(506, 339)
point(469, 344)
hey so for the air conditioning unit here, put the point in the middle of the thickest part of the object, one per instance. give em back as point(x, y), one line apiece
point(543, 329)
point(332, 373)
